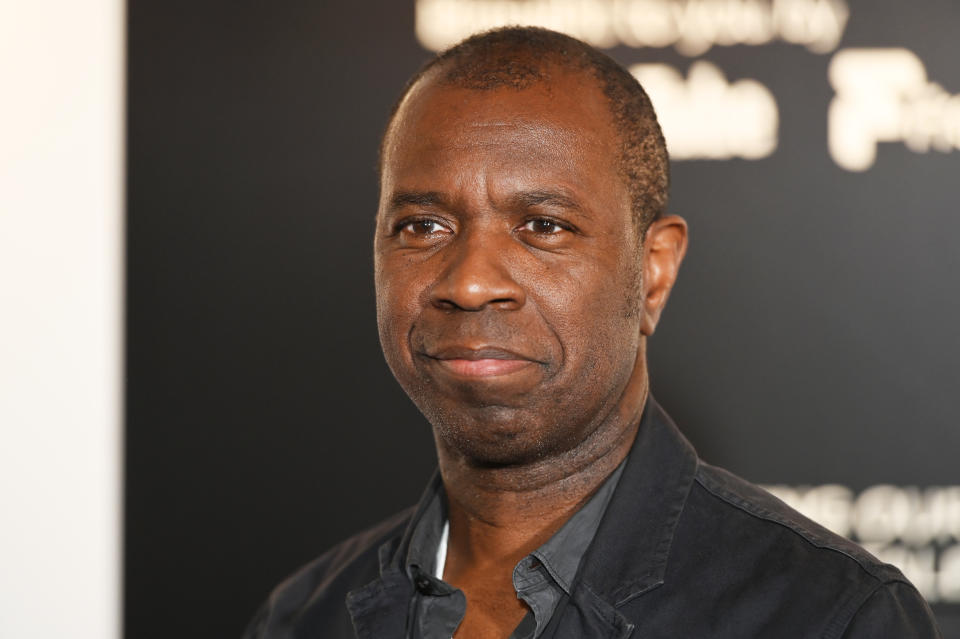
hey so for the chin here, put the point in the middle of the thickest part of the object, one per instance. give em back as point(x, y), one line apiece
point(486, 454)
point(493, 436)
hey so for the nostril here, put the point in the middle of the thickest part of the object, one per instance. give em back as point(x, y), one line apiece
point(445, 305)
point(503, 303)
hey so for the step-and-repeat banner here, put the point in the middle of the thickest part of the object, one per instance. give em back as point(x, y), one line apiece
point(810, 345)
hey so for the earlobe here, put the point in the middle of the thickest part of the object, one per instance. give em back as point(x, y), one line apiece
point(663, 250)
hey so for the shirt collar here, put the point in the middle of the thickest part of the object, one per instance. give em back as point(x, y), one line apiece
point(426, 532)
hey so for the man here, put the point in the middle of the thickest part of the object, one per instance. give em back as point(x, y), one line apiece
point(522, 257)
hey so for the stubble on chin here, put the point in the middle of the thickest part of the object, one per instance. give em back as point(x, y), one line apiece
point(487, 436)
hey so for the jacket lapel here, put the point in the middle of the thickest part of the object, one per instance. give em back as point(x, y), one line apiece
point(585, 614)
point(629, 554)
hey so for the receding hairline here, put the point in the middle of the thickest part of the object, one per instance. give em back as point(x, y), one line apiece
point(436, 80)
point(448, 72)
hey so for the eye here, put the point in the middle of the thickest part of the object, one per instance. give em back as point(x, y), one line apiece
point(422, 227)
point(544, 226)
point(420, 232)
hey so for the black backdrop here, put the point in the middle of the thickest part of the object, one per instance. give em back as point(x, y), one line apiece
point(811, 338)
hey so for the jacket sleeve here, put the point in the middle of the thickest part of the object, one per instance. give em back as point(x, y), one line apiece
point(894, 611)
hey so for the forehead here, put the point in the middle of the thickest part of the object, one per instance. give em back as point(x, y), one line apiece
point(561, 125)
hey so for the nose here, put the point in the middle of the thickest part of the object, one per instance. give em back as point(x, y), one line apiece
point(477, 276)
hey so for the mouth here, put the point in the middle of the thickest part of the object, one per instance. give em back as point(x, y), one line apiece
point(479, 362)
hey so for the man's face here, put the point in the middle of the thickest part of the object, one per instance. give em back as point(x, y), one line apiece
point(506, 264)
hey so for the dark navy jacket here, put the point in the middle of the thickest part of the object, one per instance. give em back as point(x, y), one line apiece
point(684, 550)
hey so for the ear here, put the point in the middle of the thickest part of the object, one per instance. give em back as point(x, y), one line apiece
point(663, 249)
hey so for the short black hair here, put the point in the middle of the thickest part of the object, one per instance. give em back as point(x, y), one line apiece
point(519, 57)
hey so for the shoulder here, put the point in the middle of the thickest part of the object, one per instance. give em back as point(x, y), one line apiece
point(759, 513)
point(788, 569)
point(318, 590)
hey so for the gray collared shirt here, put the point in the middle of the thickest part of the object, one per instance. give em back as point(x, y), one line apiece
point(541, 579)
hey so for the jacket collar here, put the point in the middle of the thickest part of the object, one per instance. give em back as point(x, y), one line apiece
point(628, 555)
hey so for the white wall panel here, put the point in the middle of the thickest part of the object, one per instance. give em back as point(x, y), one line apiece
point(61, 202)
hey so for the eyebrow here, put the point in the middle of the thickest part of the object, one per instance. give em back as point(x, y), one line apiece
point(550, 197)
point(416, 198)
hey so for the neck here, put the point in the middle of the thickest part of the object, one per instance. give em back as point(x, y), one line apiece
point(502, 514)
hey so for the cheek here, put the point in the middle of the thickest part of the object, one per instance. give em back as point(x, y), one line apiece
point(398, 293)
point(592, 309)
point(591, 293)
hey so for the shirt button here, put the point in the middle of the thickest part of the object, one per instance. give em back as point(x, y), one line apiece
point(423, 584)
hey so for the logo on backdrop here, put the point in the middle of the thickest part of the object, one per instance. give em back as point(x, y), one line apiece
point(882, 95)
point(692, 26)
point(704, 116)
